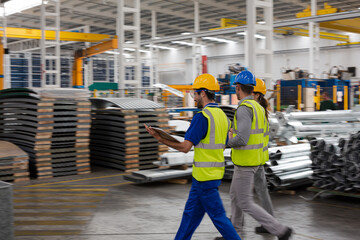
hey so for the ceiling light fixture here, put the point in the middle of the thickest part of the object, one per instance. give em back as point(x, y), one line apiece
point(218, 39)
point(186, 43)
point(116, 53)
point(160, 47)
point(256, 35)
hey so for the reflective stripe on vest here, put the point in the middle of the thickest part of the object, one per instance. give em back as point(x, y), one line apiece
point(212, 144)
point(209, 162)
point(253, 153)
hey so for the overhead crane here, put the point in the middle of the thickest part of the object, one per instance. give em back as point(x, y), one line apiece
point(77, 76)
point(346, 25)
point(49, 35)
point(228, 23)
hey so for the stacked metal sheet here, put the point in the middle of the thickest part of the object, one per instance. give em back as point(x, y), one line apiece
point(337, 166)
point(14, 163)
point(118, 136)
point(51, 126)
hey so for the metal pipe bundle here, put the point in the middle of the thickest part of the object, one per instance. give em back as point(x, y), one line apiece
point(329, 116)
point(337, 167)
point(292, 178)
point(293, 125)
point(289, 166)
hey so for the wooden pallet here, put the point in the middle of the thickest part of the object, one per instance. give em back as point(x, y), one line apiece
point(13, 163)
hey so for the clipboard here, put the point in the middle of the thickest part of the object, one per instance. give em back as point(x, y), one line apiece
point(164, 134)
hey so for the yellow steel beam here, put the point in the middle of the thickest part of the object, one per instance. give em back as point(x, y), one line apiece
point(77, 76)
point(348, 43)
point(50, 35)
point(347, 25)
point(227, 23)
point(328, 9)
point(100, 48)
point(305, 32)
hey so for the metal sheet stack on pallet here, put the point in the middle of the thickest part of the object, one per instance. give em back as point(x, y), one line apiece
point(52, 126)
point(14, 163)
point(118, 136)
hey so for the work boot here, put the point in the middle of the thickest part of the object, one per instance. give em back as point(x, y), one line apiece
point(260, 230)
point(287, 234)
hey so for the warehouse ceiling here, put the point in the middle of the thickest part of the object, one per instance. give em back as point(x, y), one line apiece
point(173, 16)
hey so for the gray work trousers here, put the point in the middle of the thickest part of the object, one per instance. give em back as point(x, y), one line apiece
point(241, 194)
point(262, 191)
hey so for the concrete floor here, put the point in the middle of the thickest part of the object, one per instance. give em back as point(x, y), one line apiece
point(103, 206)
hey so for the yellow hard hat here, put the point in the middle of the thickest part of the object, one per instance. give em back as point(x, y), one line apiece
point(260, 86)
point(207, 81)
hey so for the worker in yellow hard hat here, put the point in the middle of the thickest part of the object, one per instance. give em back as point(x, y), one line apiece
point(208, 133)
point(260, 184)
point(207, 83)
point(259, 95)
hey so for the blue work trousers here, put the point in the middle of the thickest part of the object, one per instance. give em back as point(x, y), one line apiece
point(205, 197)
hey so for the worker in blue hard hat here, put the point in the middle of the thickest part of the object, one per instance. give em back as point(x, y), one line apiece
point(247, 141)
point(208, 133)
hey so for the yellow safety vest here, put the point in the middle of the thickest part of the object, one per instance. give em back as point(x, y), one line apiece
point(253, 153)
point(209, 162)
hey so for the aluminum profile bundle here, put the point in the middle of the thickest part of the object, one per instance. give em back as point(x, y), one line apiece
point(337, 167)
point(293, 125)
point(289, 166)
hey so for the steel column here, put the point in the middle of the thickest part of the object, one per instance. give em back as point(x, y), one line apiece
point(196, 48)
point(134, 43)
point(50, 77)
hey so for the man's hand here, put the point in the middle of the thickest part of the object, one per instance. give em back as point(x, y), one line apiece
point(231, 132)
point(152, 132)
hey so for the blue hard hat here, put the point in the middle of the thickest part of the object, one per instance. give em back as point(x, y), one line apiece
point(245, 78)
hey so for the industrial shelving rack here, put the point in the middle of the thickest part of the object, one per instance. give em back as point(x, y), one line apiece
point(25, 69)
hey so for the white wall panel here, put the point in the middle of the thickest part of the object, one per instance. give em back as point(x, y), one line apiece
point(328, 58)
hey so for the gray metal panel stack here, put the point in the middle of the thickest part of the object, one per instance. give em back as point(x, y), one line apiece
point(118, 136)
point(52, 126)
